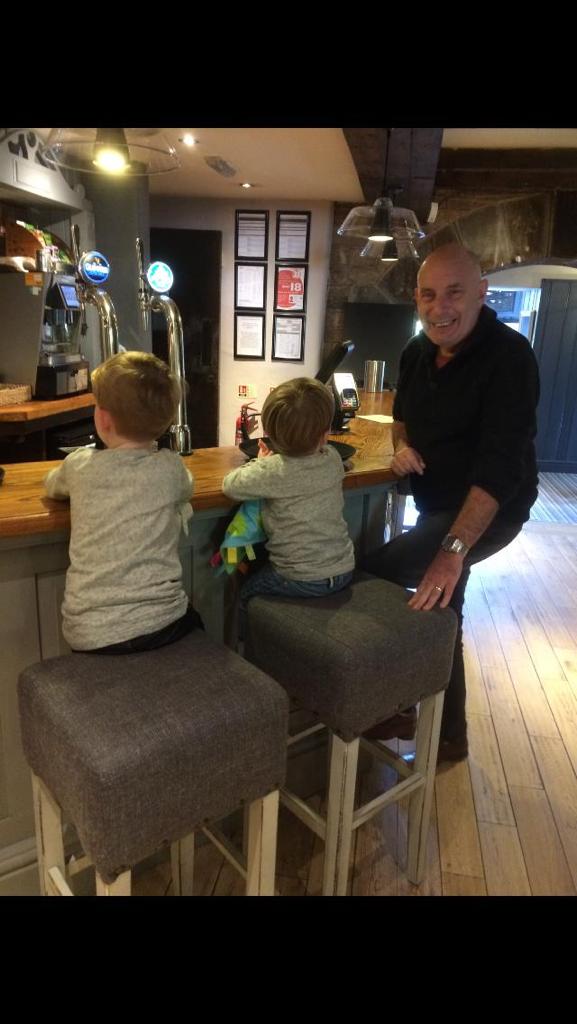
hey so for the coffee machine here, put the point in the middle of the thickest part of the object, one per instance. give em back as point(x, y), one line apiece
point(153, 297)
point(62, 369)
point(40, 333)
point(42, 321)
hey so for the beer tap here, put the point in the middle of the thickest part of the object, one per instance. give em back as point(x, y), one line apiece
point(92, 269)
point(156, 280)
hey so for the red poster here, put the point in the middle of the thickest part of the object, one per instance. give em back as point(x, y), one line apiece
point(290, 288)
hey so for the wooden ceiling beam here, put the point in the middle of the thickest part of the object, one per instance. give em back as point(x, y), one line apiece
point(507, 170)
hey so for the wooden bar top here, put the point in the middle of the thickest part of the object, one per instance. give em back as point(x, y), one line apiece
point(39, 410)
point(25, 510)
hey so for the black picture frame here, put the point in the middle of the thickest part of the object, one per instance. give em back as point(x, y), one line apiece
point(290, 287)
point(251, 235)
point(283, 328)
point(245, 346)
point(293, 228)
point(243, 288)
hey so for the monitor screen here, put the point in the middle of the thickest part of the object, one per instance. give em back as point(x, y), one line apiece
point(69, 296)
point(380, 330)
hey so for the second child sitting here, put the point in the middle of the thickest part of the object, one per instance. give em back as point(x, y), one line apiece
point(299, 479)
point(128, 505)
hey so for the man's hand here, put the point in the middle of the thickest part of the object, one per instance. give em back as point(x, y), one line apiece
point(407, 460)
point(438, 583)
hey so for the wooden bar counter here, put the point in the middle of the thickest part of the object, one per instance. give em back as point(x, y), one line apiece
point(34, 534)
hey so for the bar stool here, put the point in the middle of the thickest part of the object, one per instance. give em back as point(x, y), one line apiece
point(355, 659)
point(139, 751)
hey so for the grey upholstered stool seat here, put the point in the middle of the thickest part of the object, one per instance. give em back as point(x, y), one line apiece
point(139, 750)
point(355, 659)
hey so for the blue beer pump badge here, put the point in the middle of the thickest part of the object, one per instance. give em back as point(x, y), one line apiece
point(94, 267)
point(160, 277)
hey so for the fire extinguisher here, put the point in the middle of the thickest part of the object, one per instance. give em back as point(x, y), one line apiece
point(245, 423)
point(238, 431)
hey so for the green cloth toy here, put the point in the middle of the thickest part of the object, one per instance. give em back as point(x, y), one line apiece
point(244, 530)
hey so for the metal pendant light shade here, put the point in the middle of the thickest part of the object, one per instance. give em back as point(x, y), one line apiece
point(381, 228)
point(390, 252)
point(125, 152)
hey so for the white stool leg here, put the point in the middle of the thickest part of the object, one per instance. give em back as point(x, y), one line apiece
point(339, 827)
point(120, 887)
point(182, 863)
point(261, 852)
point(49, 844)
point(427, 746)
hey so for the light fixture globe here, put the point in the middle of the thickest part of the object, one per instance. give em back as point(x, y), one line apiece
point(126, 152)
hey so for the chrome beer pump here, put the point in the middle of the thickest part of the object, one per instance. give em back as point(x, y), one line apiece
point(153, 286)
point(92, 269)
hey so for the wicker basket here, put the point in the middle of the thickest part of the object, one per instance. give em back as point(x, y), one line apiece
point(15, 394)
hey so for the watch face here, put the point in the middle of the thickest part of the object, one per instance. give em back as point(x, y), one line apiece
point(454, 545)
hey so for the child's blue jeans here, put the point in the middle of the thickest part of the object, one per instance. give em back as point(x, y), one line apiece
point(267, 582)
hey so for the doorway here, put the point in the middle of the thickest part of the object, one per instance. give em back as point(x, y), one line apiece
point(552, 330)
point(195, 260)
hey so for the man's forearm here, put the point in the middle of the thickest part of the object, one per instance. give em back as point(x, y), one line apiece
point(477, 513)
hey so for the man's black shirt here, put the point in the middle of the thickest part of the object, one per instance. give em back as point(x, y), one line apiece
point(473, 420)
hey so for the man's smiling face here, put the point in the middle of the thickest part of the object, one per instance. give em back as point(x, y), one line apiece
point(449, 296)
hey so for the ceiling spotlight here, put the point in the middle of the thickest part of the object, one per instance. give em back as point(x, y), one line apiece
point(246, 184)
point(188, 140)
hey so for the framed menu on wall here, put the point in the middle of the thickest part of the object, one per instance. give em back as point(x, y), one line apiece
point(250, 285)
point(251, 235)
point(290, 289)
point(249, 336)
point(288, 338)
point(292, 235)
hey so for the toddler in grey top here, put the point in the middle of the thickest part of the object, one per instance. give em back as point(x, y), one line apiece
point(128, 503)
point(299, 479)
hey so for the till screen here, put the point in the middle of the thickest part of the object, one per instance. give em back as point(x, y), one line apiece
point(68, 292)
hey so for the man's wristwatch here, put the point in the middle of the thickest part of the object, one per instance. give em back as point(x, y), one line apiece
point(454, 545)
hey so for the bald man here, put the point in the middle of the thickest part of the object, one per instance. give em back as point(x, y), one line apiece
point(464, 426)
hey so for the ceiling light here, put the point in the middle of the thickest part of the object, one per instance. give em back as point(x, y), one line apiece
point(381, 226)
point(246, 184)
point(382, 222)
point(130, 152)
point(188, 139)
point(390, 252)
point(110, 151)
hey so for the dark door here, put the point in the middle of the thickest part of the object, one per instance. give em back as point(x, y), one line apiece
point(556, 351)
point(195, 260)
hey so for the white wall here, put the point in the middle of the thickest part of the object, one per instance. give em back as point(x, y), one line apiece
point(219, 215)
